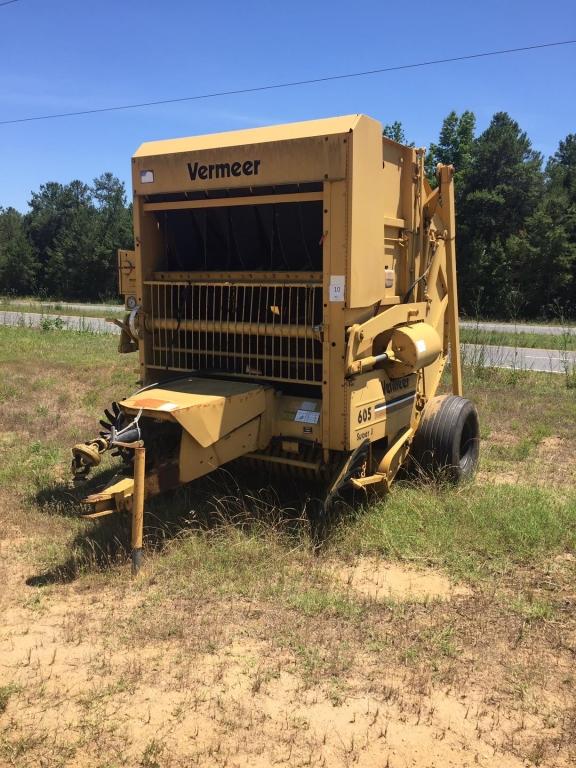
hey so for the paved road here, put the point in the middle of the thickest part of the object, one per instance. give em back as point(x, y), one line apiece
point(549, 360)
point(552, 361)
point(35, 319)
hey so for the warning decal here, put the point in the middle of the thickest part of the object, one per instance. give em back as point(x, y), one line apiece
point(307, 417)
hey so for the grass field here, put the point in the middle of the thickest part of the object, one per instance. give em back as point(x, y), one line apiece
point(565, 341)
point(437, 627)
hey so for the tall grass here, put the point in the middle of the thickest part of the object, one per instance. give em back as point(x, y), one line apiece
point(475, 531)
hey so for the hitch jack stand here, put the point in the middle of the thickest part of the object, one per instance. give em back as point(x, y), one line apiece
point(138, 508)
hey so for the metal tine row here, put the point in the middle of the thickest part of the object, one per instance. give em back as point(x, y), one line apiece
point(222, 313)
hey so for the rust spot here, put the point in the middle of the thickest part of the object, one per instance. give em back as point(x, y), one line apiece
point(433, 405)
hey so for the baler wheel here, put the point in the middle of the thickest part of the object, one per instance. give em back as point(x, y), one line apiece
point(447, 442)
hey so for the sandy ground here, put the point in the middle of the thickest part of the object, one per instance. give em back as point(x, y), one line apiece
point(222, 693)
point(380, 580)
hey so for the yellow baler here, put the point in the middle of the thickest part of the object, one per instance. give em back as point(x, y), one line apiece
point(292, 299)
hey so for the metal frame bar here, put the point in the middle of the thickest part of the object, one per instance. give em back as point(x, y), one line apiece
point(228, 202)
point(238, 278)
point(447, 202)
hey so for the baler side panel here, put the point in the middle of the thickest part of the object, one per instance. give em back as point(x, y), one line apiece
point(196, 461)
point(366, 274)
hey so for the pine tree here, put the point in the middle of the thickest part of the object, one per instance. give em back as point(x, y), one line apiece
point(545, 252)
point(500, 191)
point(18, 265)
point(455, 146)
point(395, 131)
point(114, 224)
point(75, 231)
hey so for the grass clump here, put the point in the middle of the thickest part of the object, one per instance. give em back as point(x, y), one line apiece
point(6, 691)
point(227, 561)
point(69, 348)
point(472, 532)
point(532, 609)
point(259, 562)
point(8, 304)
point(322, 601)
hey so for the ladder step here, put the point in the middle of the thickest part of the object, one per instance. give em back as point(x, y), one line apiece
point(361, 482)
point(100, 513)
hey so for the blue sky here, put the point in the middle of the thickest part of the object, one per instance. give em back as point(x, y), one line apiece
point(64, 55)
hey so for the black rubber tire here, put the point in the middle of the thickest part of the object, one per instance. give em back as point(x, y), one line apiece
point(446, 445)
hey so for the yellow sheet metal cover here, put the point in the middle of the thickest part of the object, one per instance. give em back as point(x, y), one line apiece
point(288, 131)
point(208, 409)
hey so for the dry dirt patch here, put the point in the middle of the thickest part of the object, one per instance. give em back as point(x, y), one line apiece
point(551, 461)
point(381, 580)
point(556, 460)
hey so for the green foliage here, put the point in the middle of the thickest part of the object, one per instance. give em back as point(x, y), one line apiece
point(481, 529)
point(18, 264)
point(51, 323)
point(549, 238)
point(65, 246)
point(516, 224)
point(455, 147)
point(395, 131)
point(501, 189)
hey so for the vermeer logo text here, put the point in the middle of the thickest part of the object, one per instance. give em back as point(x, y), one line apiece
point(223, 170)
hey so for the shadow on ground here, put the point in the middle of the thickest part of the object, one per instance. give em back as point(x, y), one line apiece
point(248, 499)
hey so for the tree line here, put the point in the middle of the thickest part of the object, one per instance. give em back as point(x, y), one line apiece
point(65, 246)
point(516, 225)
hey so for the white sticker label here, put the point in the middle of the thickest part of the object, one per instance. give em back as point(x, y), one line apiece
point(308, 405)
point(337, 287)
point(421, 345)
point(308, 417)
point(146, 177)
